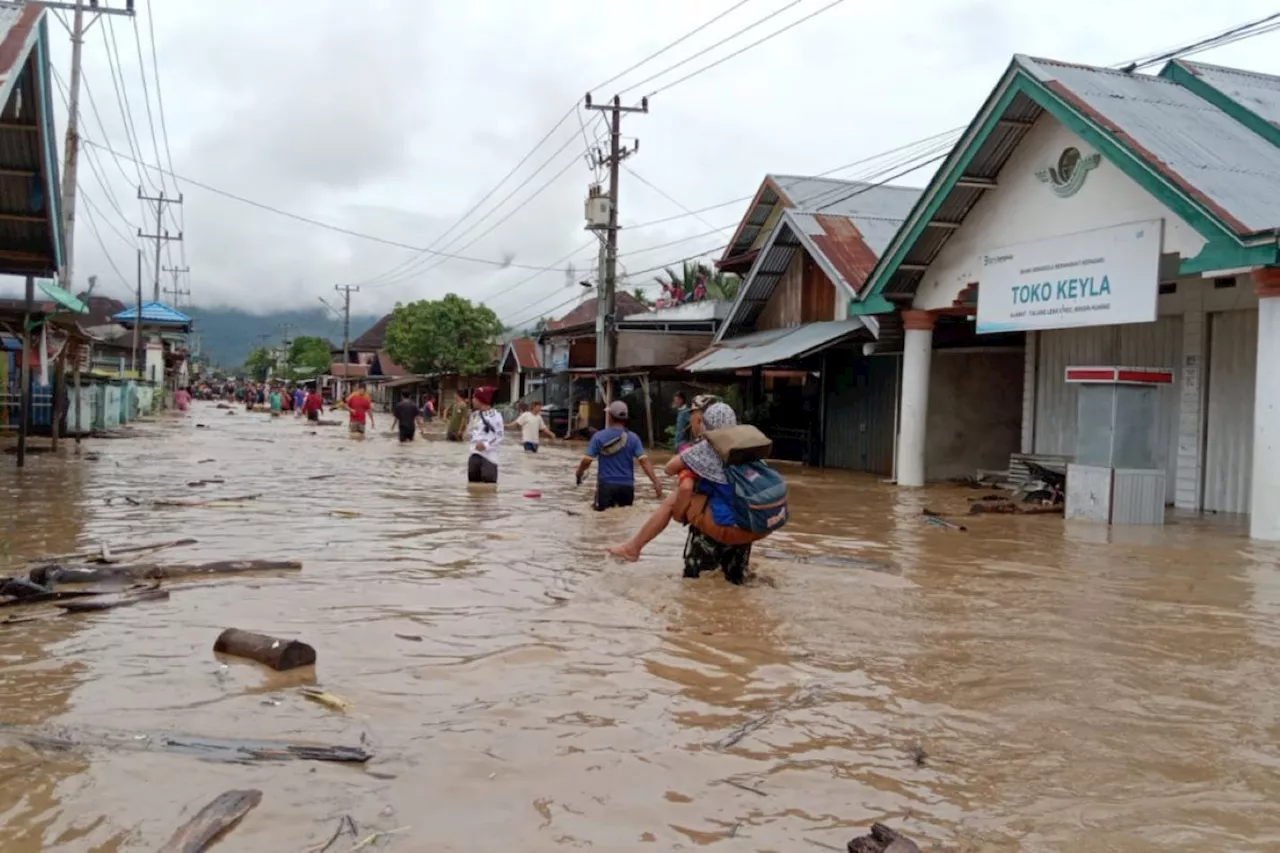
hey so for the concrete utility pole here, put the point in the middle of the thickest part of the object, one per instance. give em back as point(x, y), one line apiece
point(346, 290)
point(72, 155)
point(162, 235)
point(607, 333)
point(137, 320)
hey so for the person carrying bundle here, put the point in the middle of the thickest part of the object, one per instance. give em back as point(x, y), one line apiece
point(728, 496)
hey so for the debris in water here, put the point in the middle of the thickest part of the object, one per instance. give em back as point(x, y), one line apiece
point(828, 560)
point(209, 502)
point(413, 638)
point(269, 651)
point(212, 481)
point(533, 494)
point(806, 696)
point(918, 755)
point(226, 749)
point(882, 839)
point(212, 821)
point(56, 574)
point(936, 520)
point(322, 476)
point(745, 787)
point(105, 602)
point(95, 556)
point(345, 826)
point(344, 513)
point(329, 700)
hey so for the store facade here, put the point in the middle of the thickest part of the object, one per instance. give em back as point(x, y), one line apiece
point(1111, 218)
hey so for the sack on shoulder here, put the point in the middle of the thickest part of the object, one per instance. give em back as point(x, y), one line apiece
point(738, 445)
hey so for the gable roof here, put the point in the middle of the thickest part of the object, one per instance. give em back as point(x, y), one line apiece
point(31, 234)
point(585, 313)
point(1217, 175)
point(1250, 98)
point(818, 194)
point(523, 352)
point(383, 366)
point(153, 312)
point(374, 338)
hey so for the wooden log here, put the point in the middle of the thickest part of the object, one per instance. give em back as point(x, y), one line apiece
point(274, 652)
point(45, 597)
point(225, 749)
point(50, 575)
point(112, 602)
point(226, 810)
point(91, 554)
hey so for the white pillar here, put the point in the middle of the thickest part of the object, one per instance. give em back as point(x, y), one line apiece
point(1264, 509)
point(917, 350)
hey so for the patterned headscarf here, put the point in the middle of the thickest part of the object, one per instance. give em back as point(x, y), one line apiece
point(702, 458)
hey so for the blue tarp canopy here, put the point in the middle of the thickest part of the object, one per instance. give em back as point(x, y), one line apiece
point(153, 313)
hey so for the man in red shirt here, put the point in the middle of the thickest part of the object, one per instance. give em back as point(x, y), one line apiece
point(313, 405)
point(361, 409)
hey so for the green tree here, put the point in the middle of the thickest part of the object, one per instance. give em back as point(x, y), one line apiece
point(308, 355)
point(259, 363)
point(641, 296)
point(449, 335)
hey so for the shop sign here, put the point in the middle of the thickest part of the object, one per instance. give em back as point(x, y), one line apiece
point(1103, 277)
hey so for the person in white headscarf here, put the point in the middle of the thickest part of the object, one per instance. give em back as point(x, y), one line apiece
point(704, 499)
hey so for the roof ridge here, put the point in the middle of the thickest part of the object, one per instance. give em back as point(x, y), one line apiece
point(1100, 69)
point(818, 211)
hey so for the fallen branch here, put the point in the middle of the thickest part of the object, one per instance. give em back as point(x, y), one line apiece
point(224, 749)
point(226, 810)
point(94, 555)
point(50, 575)
point(745, 787)
point(52, 595)
point(163, 502)
point(938, 521)
point(806, 696)
point(345, 825)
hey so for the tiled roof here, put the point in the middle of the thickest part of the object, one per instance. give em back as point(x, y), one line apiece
point(585, 314)
point(525, 353)
point(374, 338)
point(387, 367)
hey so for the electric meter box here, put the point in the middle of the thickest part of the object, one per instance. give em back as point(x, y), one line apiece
point(598, 207)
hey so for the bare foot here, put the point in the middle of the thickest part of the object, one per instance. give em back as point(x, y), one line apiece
point(626, 552)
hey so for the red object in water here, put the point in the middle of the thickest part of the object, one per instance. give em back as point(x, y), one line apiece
point(533, 494)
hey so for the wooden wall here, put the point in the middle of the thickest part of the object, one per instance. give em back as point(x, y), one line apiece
point(804, 295)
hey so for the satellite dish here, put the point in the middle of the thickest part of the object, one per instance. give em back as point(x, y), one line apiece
point(64, 298)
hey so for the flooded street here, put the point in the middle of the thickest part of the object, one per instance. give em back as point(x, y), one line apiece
point(521, 692)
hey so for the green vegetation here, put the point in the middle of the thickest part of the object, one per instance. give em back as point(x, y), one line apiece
point(449, 335)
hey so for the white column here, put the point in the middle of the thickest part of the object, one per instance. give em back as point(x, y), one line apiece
point(917, 351)
point(1264, 510)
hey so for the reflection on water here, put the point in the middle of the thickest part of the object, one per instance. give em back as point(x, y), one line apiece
point(1023, 686)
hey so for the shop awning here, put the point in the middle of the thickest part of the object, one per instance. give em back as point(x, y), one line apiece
point(774, 346)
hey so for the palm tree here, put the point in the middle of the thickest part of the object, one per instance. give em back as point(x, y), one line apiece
point(695, 282)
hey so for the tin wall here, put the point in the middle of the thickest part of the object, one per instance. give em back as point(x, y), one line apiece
point(1232, 372)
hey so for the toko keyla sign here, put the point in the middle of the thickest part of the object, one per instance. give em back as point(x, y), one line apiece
point(1092, 278)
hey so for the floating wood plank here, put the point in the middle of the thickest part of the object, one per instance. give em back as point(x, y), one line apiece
point(223, 749)
point(226, 810)
point(50, 575)
point(269, 651)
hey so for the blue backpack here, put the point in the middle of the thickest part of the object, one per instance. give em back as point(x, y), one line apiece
point(759, 497)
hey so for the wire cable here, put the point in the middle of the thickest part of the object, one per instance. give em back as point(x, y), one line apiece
point(164, 125)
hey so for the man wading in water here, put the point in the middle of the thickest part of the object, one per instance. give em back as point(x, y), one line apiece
point(617, 448)
point(361, 409)
point(406, 415)
point(486, 430)
point(457, 415)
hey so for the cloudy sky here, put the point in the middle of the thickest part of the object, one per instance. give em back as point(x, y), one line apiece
point(393, 118)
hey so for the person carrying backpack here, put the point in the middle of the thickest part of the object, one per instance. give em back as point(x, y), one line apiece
point(727, 503)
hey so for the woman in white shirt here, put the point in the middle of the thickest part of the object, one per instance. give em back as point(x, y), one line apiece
point(486, 430)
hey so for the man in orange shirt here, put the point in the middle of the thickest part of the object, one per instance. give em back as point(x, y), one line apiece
point(361, 409)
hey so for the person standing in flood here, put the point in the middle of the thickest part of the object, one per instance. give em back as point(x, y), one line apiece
point(276, 399)
point(681, 404)
point(182, 399)
point(618, 449)
point(457, 416)
point(313, 405)
point(532, 427)
point(486, 429)
point(361, 409)
point(406, 414)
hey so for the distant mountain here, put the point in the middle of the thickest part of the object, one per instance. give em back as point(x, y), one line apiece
point(227, 335)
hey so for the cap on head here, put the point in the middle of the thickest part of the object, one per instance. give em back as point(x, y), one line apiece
point(618, 410)
point(484, 395)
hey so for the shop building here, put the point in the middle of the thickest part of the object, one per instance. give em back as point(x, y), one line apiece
point(1108, 218)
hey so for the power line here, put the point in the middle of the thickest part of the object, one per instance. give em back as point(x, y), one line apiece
point(122, 92)
point(164, 126)
point(668, 197)
point(92, 212)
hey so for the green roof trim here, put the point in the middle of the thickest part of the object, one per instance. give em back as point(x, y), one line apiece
point(1222, 241)
point(1178, 73)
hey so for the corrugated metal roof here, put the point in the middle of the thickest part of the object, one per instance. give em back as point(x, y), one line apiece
point(1189, 139)
point(771, 347)
point(153, 312)
point(1258, 93)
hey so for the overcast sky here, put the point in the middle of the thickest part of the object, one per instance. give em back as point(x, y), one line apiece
point(393, 118)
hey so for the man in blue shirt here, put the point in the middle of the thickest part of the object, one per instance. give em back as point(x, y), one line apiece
point(618, 449)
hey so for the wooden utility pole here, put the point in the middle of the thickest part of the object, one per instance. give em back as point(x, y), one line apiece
point(607, 332)
point(72, 153)
point(162, 234)
point(346, 290)
point(137, 321)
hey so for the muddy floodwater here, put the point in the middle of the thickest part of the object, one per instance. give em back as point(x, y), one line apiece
point(1026, 685)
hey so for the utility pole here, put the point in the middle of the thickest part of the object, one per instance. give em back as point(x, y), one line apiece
point(162, 235)
point(177, 291)
point(137, 320)
point(72, 154)
point(346, 290)
point(607, 332)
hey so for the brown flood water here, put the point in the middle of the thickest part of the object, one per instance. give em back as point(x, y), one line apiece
point(1070, 693)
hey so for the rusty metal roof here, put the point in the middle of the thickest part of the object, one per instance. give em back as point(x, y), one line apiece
point(1193, 142)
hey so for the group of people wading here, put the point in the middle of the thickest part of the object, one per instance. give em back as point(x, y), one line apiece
point(725, 493)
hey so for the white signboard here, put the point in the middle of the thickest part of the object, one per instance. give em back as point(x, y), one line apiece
point(1093, 278)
